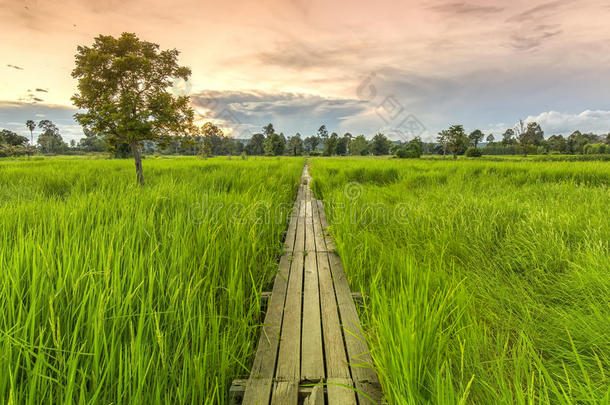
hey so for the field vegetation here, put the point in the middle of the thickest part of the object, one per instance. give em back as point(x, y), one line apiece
point(487, 282)
point(115, 293)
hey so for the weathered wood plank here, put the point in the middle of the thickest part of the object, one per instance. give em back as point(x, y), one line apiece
point(340, 391)
point(266, 354)
point(330, 244)
point(285, 393)
point(334, 346)
point(289, 356)
point(316, 397)
point(312, 358)
point(292, 225)
point(258, 391)
point(361, 363)
point(337, 368)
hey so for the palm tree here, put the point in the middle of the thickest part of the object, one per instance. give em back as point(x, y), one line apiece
point(31, 125)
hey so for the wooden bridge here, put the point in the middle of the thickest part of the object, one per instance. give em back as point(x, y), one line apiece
point(311, 349)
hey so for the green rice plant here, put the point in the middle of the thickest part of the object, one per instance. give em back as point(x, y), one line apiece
point(114, 293)
point(487, 282)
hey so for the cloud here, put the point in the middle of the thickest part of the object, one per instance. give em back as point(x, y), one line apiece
point(538, 12)
point(553, 122)
point(14, 67)
point(13, 116)
point(299, 55)
point(532, 38)
point(463, 8)
point(245, 112)
point(42, 90)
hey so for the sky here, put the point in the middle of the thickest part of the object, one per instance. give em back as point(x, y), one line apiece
point(404, 68)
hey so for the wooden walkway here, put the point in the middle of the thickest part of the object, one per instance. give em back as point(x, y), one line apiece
point(311, 349)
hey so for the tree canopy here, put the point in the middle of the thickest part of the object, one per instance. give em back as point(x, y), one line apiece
point(124, 86)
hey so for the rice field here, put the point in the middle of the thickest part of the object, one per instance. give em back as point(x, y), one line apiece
point(115, 294)
point(487, 282)
point(484, 281)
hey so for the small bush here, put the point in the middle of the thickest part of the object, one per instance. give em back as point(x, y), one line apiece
point(474, 152)
point(411, 150)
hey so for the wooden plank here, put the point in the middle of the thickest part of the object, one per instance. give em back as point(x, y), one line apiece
point(289, 357)
point(258, 391)
point(317, 229)
point(312, 358)
point(285, 393)
point(299, 243)
point(316, 397)
point(340, 391)
point(330, 244)
point(334, 346)
point(337, 368)
point(263, 367)
point(291, 232)
point(361, 363)
point(258, 388)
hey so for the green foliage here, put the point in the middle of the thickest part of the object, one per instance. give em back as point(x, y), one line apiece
point(596, 149)
point(475, 137)
point(117, 294)
point(330, 145)
point(359, 146)
point(529, 136)
point(342, 145)
point(474, 152)
point(124, 85)
point(256, 145)
point(454, 140)
point(311, 144)
point(380, 145)
point(11, 138)
point(410, 150)
point(487, 282)
point(295, 145)
point(274, 145)
point(50, 141)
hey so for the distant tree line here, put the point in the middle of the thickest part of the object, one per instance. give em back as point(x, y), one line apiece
point(210, 140)
point(523, 139)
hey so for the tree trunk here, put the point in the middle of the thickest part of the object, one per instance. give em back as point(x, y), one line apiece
point(455, 156)
point(135, 149)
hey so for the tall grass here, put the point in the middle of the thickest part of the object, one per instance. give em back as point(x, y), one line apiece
point(112, 293)
point(487, 282)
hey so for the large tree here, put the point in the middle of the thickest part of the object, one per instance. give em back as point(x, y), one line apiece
point(12, 138)
point(380, 145)
point(456, 140)
point(124, 85)
point(475, 137)
point(255, 145)
point(274, 145)
point(268, 129)
point(359, 146)
point(212, 139)
point(295, 145)
point(342, 145)
point(508, 137)
point(528, 136)
point(311, 143)
point(50, 140)
point(330, 146)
